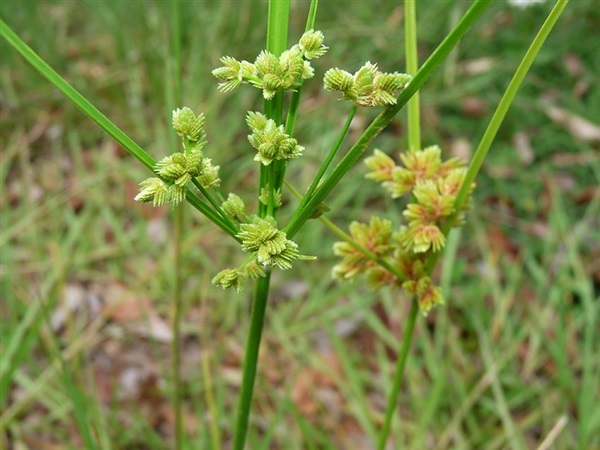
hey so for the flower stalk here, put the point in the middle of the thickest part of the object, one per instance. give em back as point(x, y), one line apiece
point(277, 30)
point(414, 143)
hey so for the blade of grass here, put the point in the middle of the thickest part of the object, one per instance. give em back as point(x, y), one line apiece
point(78, 399)
point(20, 343)
point(362, 409)
point(511, 431)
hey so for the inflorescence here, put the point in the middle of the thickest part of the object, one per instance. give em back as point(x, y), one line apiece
point(367, 87)
point(270, 73)
point(177, 170)
point(433, 186)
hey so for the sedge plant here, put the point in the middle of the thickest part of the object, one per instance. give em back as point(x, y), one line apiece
point(402, 256)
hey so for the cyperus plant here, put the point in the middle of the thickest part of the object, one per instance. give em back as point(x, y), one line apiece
point(433, 186)
point(402, 256)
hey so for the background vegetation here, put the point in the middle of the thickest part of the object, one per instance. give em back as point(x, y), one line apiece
point(86, 273)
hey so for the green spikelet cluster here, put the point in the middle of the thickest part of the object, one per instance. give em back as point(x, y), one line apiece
point(270, 140)
point(432, 185)
point(153, 190)
point(264, 197)
point(311, 44)
point(367, 87)
point(178, 169)
point(271, 245)
point(375, 237)
point(428, 295)
point(270, 73)
point(254, 270)
point(234, 206)
point(229, 278)
point(188, 125)
point(235, 278)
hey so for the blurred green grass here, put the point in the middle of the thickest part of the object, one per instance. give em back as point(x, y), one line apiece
point(508, 360)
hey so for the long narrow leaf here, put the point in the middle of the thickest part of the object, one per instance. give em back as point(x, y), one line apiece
point(103, 122)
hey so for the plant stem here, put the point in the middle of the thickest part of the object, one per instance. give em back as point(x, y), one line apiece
point(173, 59)
point(176, 324)
point(347, 238)
point(206, 193)
point(414, 144)
point(383, 119)
point(497, 119)
point(327, 162)
point(259, 306)
point(101, 120)
point(412, 66)
point(277, 29)
point(400, 365)
point(290, 121)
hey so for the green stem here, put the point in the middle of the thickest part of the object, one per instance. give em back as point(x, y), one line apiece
point(414, 144)
point(277, 30)
point(497, 119)
point(100, 119)
point(206, 193)
point(400, 365)
point(290, 121)
point(173, 94)
point(195, 201)
point(326, 163)
point(259, 306)
point(312, 15)
point(347, 238)
point(412, 66)
point(383, 119)
point(177, 313)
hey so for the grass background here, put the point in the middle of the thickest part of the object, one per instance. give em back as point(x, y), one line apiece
point(87, 274)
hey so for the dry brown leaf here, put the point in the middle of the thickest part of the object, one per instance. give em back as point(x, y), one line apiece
point(461, 148)
point(152, 327)
point(578, 126)
point(476, 66)
point(500, 242)
point(37, 443)
point(575, 159)
point(76, 300)
point(473, 106)
point(523, 145)
point(581, 88)
point(573, 64)
point(314, 390)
